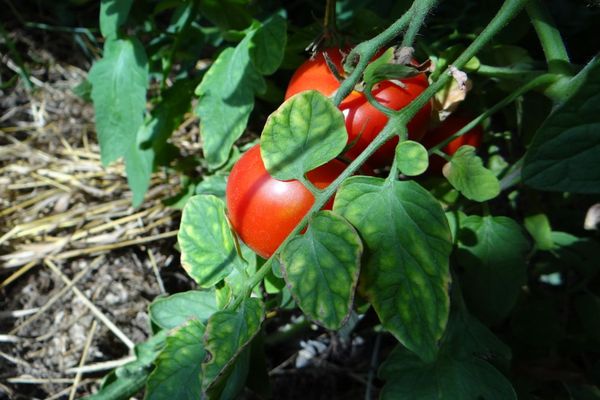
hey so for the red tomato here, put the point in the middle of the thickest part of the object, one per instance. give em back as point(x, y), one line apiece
point(443, 131)
point(363, 121)
point(264, 210)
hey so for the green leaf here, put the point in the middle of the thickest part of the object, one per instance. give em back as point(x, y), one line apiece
point(492, 252)
point(226, 14)
point(213, 184)
point(304, 133)
point(125, 381)
point(370, 73)
point(564, 152)
point(119, 81)
point(268, 44)
point(152, 137)
point(113, 14)
point(411, 158)
point(227, 334)
point(408, 244)
point(208, 252)
point(457, 373)
point(226, 100)
point(177, 374)
point(172, 311)
point(468, 175)
point(321, 267)
point(539, 228)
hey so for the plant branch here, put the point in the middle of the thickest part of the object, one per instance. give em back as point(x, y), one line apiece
point(549, 36)
point(509, 9)
point(537, 82)
point(420, 9)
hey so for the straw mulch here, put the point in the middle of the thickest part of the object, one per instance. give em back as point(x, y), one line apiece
point(78, 265)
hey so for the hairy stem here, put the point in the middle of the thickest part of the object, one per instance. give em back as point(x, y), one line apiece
point(420, 9)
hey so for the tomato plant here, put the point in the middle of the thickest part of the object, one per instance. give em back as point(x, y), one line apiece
point(264, 210)
point(363, 120)
point(443, 131)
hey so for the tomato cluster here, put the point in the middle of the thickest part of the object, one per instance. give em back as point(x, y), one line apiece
point(263, 210)
point(363, 120)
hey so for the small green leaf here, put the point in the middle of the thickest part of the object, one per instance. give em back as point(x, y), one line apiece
point(119, 81)
point(468, 175)
point(177, 374)
point(301, 135)
point(226, 100)
point(539, 228)
point(268, 45)
point(458, 373)
point(564, 152)
point(412, 158)
point(227, 334)
point(321, 268)
point(208, 252)
point(113, 14)
point(170, 312)
point(371, 70)
point(407, 245)
point(492, 252)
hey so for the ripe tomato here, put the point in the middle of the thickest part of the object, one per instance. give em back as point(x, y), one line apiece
point(443, 131)
point(363, 121)
point(264, 210)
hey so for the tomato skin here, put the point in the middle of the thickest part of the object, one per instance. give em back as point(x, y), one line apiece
point(443, 131)
point(363, 121)
point(263, 210)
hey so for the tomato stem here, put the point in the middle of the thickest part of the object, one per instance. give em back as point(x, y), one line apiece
point(539, 81)
point(419, 11)
point(549, 36)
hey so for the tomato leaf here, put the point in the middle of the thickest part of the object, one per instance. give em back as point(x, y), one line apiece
point(172, 311)
point(458, 372)
point(466, 173)
point(227, 334)
point(153, 135)
point(208, 252)
point(411, 158)
point(564, 152)
point(226, 14)
point(304, 133)
point(492, 253)
point(113, 14)
point(321, 267)
point(177, 374)
point(407, 245)
point(119, 81)
point(126, 380)
point(226, 100)
point(268, 44)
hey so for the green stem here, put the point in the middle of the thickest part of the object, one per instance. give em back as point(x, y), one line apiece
point(419, 11)
point(178, 37)
point(542, 80)
point(518, 74)
point(365, 52)
point(509, 9)
point(549, 36)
